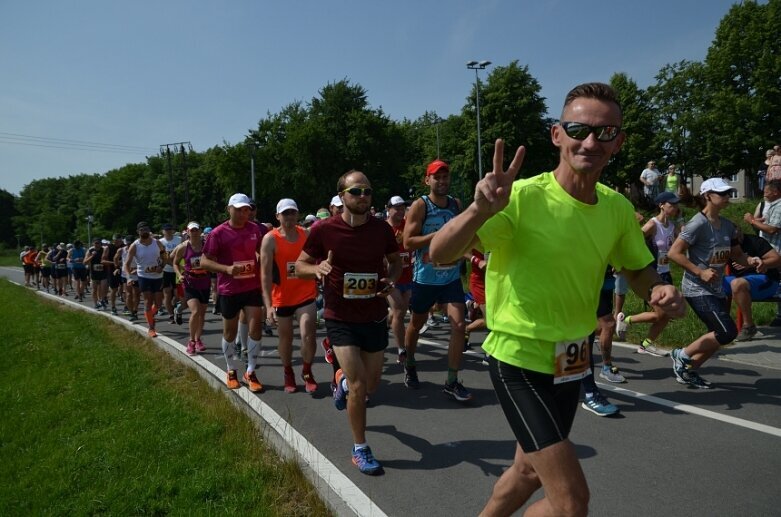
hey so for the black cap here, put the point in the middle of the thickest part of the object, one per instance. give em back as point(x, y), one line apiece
point(666, 197)
point(143, 224)
point(168, 226)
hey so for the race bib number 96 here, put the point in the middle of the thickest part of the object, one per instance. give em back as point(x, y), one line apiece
point(572, 360)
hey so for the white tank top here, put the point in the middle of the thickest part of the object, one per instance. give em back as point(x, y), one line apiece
point(665, 235)
point(148, 259)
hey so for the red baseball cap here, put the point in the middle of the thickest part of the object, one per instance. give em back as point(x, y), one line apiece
point(435, 166)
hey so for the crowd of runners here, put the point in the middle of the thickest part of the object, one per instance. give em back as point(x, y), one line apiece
point(546, 263)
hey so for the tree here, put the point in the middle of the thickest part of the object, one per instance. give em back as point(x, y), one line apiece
point(511, 108)
point(7, 212)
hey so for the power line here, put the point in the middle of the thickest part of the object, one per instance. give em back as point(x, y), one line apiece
point(73, 148)
point(63, 143)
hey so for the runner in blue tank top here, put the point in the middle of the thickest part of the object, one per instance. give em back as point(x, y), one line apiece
point(432, 282)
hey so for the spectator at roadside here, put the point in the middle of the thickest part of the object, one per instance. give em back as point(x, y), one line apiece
point(650, 178)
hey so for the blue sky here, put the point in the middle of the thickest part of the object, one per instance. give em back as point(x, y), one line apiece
point(144, 73)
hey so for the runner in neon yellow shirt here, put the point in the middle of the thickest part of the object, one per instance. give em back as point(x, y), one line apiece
point(551, 238)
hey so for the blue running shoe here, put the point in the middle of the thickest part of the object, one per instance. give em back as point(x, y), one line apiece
point(457, 391)
point(340, 395)
point(364, 460)
point(598, 404)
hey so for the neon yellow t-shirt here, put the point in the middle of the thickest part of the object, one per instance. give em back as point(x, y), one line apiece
point(548, 257)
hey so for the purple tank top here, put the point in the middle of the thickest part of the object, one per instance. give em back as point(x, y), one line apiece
point(196, 278)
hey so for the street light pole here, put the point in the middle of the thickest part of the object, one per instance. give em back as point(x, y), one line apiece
point(475, 65)
point(252, 147)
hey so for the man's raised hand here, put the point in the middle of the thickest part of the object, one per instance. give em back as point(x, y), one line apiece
point(492, 193)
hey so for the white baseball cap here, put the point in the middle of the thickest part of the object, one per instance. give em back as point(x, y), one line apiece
point(192, 225)
point(396, 200)
point(286, 204)
point(715, 185)
point(310, 219)
point(336, 201)
point(239, 201)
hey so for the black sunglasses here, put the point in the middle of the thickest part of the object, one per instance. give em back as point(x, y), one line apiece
point(726, 193)
point(580, 131)
point(357, 191)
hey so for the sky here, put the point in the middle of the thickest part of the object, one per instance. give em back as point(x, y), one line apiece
point(87, 86)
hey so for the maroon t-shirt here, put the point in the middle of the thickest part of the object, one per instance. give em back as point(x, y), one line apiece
point(357, 266)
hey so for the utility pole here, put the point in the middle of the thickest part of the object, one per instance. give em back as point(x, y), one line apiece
point(166, 149)
point(186, 183)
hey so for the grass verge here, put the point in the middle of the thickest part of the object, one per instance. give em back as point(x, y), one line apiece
point(98, 420)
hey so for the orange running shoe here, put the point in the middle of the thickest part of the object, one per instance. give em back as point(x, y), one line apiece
point(151, 333)
point(233, 380)
point(252, 381)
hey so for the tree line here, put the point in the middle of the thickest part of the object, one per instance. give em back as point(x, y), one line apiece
point(709, 118)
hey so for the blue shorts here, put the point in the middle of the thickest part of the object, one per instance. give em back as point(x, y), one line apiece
point(403, 288)
point(762, 287)
point(424, 296)
point(621, 286)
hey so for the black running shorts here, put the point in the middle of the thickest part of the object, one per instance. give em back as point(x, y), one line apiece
point(231, 305)
point(540, 412)
point(369, 337)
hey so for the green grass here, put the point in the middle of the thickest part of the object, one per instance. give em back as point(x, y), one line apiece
point(9, 258)
point(97, 420)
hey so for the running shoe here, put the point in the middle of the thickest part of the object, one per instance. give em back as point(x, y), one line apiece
point(340, 395)
point(233, 380)
point(484, 362)
point(424, 329)
point(252, 381)
point(310, 384)
point(98, 307)
point(747, 333)
point(267, 329)
point(199, 346)
point(191, 347)
point(610, 374)
point(650, 348)
point(467, 344)
point(411, 377)
point(290, 382)
point(133, 316)
point(114, 311)
point(456, 390)
point(162, 311)
point(598, 404)
point(171, 319)
point(679, 366)
point(151, 333)
point(621, 326)
point(364, 460)
point(692, 378)
point(329, 351)
point(126, 312)
point(178, 313)
point(402, 356)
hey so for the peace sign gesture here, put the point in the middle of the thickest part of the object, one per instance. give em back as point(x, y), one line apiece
point(492, 193)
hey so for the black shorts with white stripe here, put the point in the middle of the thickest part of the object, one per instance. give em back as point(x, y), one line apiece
point(540, 412)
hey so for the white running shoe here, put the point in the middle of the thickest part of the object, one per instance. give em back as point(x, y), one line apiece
point(621, 326)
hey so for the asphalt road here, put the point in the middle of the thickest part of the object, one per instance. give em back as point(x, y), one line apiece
point(671, 451)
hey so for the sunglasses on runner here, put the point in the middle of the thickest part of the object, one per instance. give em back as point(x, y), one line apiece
point(580, 131)
point(357, 191)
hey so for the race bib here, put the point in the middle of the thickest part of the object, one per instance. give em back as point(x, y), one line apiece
point(572, 360)
point(61, 266)
point(662, 259)
point(247, 269)
point(359, 285)
point(97, 268)
point(405, 259)
point(152, 269)
point(290, 269)
point(719, 257)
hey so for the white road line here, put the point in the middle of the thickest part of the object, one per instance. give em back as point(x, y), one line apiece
point(686, 408)
point(341, 485)
point(694, 410)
